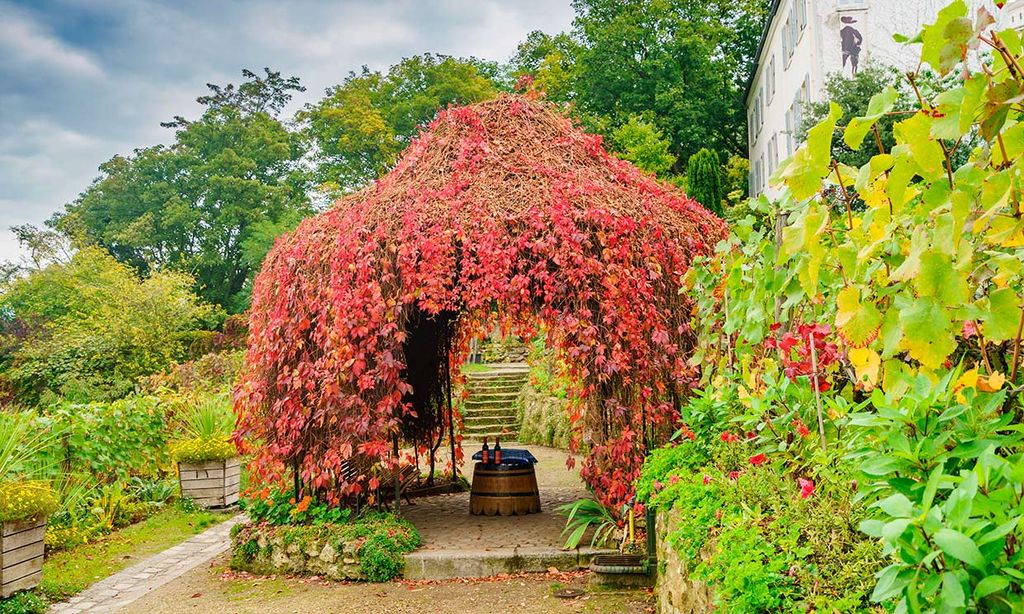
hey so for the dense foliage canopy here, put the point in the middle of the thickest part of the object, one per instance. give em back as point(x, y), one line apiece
point(863, 363)
point(211, 203)
point(88, 328)
point(498, 212)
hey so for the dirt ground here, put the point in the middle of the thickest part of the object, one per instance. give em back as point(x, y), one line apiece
point(212, 589)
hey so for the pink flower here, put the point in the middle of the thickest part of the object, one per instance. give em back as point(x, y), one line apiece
point(758, 459)
point(734, 475)
point(806, 487)
point(657, 485)
point(707, 478)
point(674, 479)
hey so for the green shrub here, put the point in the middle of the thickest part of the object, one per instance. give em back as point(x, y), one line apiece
point(92, 326)
point(704, 180)
point(23, 603)
point(114, 440)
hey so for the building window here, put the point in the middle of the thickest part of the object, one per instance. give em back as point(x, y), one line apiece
point(801, 13)
point(771, 79)
point(787, 43)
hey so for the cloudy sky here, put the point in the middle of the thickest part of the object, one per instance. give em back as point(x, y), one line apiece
point(82, 80)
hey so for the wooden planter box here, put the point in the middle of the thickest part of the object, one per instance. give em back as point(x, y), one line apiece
point(213, 484)
point(21, 555)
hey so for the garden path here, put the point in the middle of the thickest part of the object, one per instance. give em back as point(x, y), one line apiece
point(128, 585)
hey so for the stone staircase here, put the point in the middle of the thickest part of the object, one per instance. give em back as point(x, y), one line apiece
point(490, 411)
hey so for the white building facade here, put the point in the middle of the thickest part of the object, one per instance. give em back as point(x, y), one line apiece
point(805, 41)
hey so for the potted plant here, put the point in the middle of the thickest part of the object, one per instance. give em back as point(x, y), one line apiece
point(25, 503)
point(623, 568)
point(209, 470)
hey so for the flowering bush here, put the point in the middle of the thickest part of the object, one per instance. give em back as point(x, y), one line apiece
point(198, 450)
point(26, 499)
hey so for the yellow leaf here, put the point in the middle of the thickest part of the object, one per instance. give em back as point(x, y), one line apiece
point(867, 363)
point(993, 383)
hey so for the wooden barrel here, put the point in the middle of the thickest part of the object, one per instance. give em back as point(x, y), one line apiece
point(504, 490)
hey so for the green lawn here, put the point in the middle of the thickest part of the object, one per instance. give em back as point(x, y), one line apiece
point(72, 571)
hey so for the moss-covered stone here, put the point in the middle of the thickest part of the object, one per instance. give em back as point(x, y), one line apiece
point(543, 419)
point(370, 548)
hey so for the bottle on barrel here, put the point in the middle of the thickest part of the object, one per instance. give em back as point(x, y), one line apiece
point(486, 457)
point(497, 450)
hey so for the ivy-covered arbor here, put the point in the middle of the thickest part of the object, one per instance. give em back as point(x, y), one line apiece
point(499, 214)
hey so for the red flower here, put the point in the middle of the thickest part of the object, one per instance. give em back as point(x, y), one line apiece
point(758, 459)
point(734, 475)
point(707, 478)
point(801, 428)
point(728, 437)
point(674, 479)
point(751, 435)
point(806, 487)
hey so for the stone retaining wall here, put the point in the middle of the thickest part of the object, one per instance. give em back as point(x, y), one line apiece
point(263, 549)
point(676, 593)
point(543, 419)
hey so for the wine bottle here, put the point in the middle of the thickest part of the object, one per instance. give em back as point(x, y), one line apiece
point(497, 451)
point(487, 453)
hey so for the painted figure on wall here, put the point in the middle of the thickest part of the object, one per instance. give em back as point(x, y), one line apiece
point(851, 40)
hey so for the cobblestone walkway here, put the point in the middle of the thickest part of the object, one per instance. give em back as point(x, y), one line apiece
point(445, 523)
point(124, 587)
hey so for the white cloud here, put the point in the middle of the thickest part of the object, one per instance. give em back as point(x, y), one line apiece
point(83, 80)
point(25, 42)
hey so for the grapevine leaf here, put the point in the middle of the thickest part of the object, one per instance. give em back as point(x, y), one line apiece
point(927, 332)
point(880, 104)
point(926, 153)
point(934, 37)
point(806, 169)
point(858, 322)
point(866, 364)
point(938, 279)
point(1001, 316)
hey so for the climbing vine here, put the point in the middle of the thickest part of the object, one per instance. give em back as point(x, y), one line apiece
point(499, 214)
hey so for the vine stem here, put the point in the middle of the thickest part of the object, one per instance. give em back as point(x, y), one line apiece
point(846, 195)
point(1016, 346)
point(817, 393)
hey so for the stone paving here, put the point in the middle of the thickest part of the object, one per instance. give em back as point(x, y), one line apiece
point(445, 523)
point(124, 587)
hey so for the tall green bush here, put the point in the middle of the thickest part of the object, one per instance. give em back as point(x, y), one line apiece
point(704, 180)
point(86, 330)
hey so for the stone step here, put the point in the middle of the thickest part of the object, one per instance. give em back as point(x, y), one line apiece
point(488, 428)
point(497, 377)
point(473, 414)
point(512, 391)
point(476, 437)
point(489, 404)
point(489, 424)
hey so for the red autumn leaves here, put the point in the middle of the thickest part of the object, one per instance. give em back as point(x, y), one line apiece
point(497, 212)
point(805, 353)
